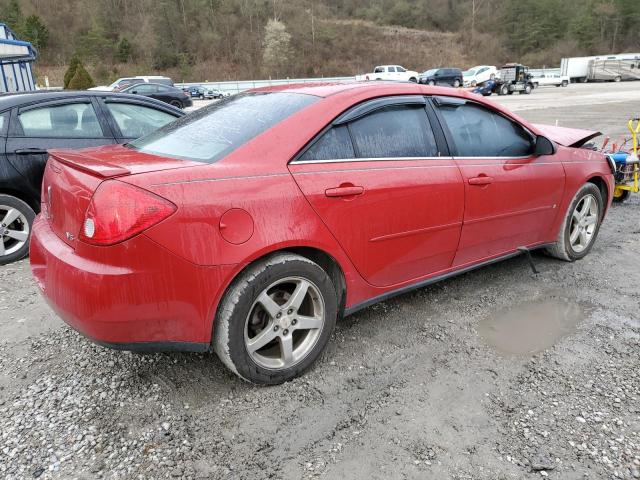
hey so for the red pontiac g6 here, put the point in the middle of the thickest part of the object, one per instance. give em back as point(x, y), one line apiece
point(250, 225)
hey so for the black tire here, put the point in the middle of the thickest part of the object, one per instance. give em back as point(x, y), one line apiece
point(27, 212)
point(504, 89)
point(562, 248)
point(176, 103)
point(474, 83)
point(565, 83)
point(527, 89)
point(432, 83)
point(624, 196)
point(413, 79)
point(239, 302)
point(456, 83)
point(617, 79)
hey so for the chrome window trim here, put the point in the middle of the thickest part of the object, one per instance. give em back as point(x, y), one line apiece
point(394, 159)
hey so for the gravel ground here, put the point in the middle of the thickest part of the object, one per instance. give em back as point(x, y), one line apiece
point(496, 374)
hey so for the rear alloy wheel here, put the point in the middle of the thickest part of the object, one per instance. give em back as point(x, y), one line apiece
point(456, 83)
point(16, 218)
point(176, 103)
point(432, 83)
point(617, 79)
point(580, 226)
point(504, 89)
point(276, 319)
point(527, 89)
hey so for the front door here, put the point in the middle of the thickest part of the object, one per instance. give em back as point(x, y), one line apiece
point(37, 128)
point(511, 196)
point(383, 189)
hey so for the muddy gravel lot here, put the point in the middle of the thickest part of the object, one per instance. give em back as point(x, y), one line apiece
point(496, 374)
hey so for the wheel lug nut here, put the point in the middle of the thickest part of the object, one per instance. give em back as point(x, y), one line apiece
point(275, 329)
point(289, 311)
point(278, 315)
point(294, 321)
point(285, 331)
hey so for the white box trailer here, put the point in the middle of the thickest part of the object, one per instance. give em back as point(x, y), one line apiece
point(577, 68)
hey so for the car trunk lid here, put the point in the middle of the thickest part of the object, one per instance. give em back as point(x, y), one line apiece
point(71, 178)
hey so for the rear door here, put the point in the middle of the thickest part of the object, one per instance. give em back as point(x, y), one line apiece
point(382, 181)
point(512, 196)
point(130, 120)
point(34, 129)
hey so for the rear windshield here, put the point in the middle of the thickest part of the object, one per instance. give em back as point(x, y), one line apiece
point(212, 132)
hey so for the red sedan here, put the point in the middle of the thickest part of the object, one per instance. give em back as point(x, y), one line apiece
point(250, 225)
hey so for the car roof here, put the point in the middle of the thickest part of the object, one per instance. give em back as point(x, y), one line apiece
point(10, 100)
point(326, 89)
point(152, 83)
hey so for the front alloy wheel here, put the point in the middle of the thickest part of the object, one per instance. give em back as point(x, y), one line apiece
point(581, 224)
point(275, 319)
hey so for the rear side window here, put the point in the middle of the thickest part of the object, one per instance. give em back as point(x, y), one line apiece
point(137, 120)
point(394, 132)
point(335, 144)
point(479, 132)
point(75, 120)
point(212, 132)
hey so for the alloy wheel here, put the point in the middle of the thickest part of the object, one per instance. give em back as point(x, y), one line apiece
point(14, 230)
point(584, 222)
point(284, 323)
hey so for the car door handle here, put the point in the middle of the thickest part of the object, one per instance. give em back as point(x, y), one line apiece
point(344, 191)
point(480, 180)
point(30, 151)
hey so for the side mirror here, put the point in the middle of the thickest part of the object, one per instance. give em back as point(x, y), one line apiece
point(544, 146)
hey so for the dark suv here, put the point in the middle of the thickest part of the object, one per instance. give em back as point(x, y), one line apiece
point(32, 123)
point(442, 76)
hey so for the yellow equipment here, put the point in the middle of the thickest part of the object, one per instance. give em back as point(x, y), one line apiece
point(628, 168)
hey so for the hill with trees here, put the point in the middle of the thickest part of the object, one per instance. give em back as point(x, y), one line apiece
point(196, 40)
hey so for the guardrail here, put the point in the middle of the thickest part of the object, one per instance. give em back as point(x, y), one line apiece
point(242, 85)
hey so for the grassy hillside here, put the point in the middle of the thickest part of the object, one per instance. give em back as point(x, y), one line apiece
point(248, 39)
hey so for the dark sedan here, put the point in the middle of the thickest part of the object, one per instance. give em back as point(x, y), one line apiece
point(171, 95)
point(32, 123)
point(442, 76)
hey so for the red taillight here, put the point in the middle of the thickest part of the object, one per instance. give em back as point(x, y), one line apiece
point(119, 211)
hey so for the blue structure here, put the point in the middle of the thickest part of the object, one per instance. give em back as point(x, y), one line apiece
point(15, 62)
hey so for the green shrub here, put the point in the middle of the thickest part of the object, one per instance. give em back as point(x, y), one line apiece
point(81, 80)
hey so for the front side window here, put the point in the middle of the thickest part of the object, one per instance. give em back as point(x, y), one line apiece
point(136, 120)
point(75, 120)
point(394, 132)
point(212, 132)
point(400, 69)
point(480, 132)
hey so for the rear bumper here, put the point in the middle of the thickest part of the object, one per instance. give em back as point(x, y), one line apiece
point(132, 296)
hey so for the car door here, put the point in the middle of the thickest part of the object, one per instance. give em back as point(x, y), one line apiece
point(34, 129)
point(130, 120)
point(381, 180)
point(511, 196)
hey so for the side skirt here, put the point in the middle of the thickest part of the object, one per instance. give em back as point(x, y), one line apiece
point(423, 283)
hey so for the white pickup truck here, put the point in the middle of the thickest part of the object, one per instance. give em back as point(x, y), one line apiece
point(390, 72)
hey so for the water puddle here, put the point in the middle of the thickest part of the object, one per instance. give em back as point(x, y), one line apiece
point(531, 327)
